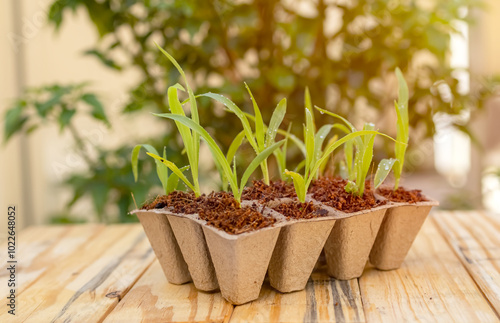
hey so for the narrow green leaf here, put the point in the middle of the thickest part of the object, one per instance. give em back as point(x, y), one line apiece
point(135, 157)
point(275, 122)
point(237, 141)
point(162, 172)
point(173, 181)
point(308, 102)
point(322, 111)
point(383, 169)
point(299, 184)
point(309, 132)
point(325, 163)
point(237, 111)
point(174, 169)
point(212, 145)
point(259, 122)
point(331, 148)
point(348, 154)
point(319, 138)
point(257, 161)
point(194, 115)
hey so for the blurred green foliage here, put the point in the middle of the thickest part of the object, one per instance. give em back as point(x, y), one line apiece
point(344, 51)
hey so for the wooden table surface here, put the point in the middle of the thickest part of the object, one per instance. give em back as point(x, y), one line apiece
point(94, 273)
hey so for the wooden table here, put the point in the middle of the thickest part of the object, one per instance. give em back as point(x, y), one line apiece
point(94, 273)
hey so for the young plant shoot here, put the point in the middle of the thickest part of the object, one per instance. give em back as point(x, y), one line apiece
point(222, 162)
point(315, 156)
point(168, 182)
point(402, 137)
point(263, 137)
point(191, 139)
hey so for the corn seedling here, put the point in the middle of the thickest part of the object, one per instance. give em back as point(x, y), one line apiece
point(263, 137)
point(191, 139)
point(168, 182)
point(402, 137)
point(223, 162)
point(315, 156)
point(357, 168)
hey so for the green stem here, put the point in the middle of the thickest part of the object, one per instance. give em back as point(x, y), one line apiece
point(265, 172)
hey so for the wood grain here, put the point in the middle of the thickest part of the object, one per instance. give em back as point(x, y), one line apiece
point(153, 299)
point(431, 286)
point(325, 299)
point(87, 284)
point(42, 249)
point(475, 238)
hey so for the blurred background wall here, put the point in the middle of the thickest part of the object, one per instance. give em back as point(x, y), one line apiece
point(34, 165)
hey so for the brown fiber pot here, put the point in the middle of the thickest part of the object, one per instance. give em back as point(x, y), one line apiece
point(297, 250)
point(397, 233)
point(191, 240)
point(164, 244)
point(241, 261)
point(349, 244)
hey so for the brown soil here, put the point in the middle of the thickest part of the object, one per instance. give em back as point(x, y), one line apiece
point(221, 212)
point(330, 191)
point(219, 209)
point(297, 210)
point(176, 202)
point(265, 193)
point(402, 195)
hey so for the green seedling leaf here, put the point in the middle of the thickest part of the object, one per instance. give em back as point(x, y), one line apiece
point(383, 169)
point(237, 111)
point(195, 142)
point(135, 158)
point(325, 163)
point(299, 184)
point(319, 138)
point(162, 172)
point(237, 141)
point(173, 181)
point(309, 131)
point(280, 154)
point(300, 165)
point(402, 126)
point(348, 153)
point(259, 122)
point(219, 157)
point(275, 122)
point(257, 161)
point(174, 169)
point(331, 148)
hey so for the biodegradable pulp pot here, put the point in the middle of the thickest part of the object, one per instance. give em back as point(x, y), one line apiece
point(241, 261)
point(191, 240)
point(349, 244)
point(161, 237)
point(397, 233)
point(297, 250)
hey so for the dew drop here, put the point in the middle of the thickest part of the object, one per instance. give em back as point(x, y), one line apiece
point(321, 112)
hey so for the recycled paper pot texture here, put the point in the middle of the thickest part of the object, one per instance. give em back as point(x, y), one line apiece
point(297, 250)
point(349, 244)
point(241, 261)
point(165, 247)
point(191, 240)
point(397, 233)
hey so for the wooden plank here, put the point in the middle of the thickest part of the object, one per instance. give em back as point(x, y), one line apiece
point(431, 286)
point(475, 238)
point(86, 285)
point(324, 300)
point(32, 241)
point(153, 299)
point(43, 249)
